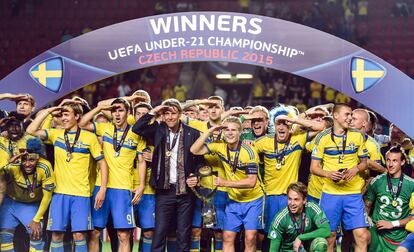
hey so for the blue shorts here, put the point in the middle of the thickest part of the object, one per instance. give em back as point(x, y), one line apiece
point(117, 204)
point(67, 210)
point(273, 204)
point(197, 220)
point(311, 198)
point(409, 242)
point(13, 213)
point(247, 214)
point(220, 200)
point(346, 209)
point(146, 211)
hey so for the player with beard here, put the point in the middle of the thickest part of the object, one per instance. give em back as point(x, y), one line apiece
point(398, 137)
point(29, 191)
point(282, 156)
point(240, 162)
point(391, 196)
point(343, 154)
point(301, 224)
point(14, 139)
point(120, 146)
point(73, 149)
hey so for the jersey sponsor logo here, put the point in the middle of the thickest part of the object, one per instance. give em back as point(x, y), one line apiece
point(48, 74)
point(365, 74)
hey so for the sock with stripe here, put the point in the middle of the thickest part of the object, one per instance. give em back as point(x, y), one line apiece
point(81, 246)
point(195, 244)
point(146, 244)
point(56, 246)
point(218, 244)
point(6, 241)
point(171, 244)
point(36, 246)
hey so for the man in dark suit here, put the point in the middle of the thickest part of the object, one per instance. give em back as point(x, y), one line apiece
point(172, 168)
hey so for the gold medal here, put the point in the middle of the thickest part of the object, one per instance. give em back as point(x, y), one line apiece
point(32, 195)
point(394, 203)
point(278, 166)
point(168, 153)
point(68, 157)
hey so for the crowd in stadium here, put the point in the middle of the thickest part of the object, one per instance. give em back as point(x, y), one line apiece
point(250, 178)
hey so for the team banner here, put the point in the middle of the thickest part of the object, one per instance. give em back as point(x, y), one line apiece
point(217, 36)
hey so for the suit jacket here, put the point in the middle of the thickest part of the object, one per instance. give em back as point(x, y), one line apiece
point(155, 132)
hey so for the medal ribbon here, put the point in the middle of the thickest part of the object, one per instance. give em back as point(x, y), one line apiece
point(11, 148)
point(236, 157)
point(117, 148)
point(174, 142)
point(283, 153)
point(212, 137)
point(344, 137)
point(30, 187)
point(400, 182)
point(300, 230)
point(69, 149)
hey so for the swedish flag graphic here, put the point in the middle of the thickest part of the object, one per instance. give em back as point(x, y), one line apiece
point(365, 74)
point(49, 74)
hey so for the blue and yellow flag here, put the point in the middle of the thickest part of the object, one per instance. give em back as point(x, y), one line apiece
point(49, 74)
point(365, 74)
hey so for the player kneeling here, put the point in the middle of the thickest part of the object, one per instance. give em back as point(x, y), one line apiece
point(29, 190)
point(301, 225)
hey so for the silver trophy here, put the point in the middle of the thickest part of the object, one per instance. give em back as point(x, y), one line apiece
point(208, 211)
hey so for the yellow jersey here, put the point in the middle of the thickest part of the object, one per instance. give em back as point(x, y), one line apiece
point(374, 150)
point(277, 179)
point(315, 183)
point(16, 184)
point(121, 167)
point(329, 149)
point(248, 163)
point(411, 157)
point(11, 147)
point(148, 188)
point(211, 159)
point(72, 178)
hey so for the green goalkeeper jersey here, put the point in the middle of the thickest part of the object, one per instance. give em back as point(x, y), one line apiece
point(388, 207)
point(283, 227)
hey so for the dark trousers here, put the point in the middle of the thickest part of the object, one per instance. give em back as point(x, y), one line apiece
point(170, 208)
